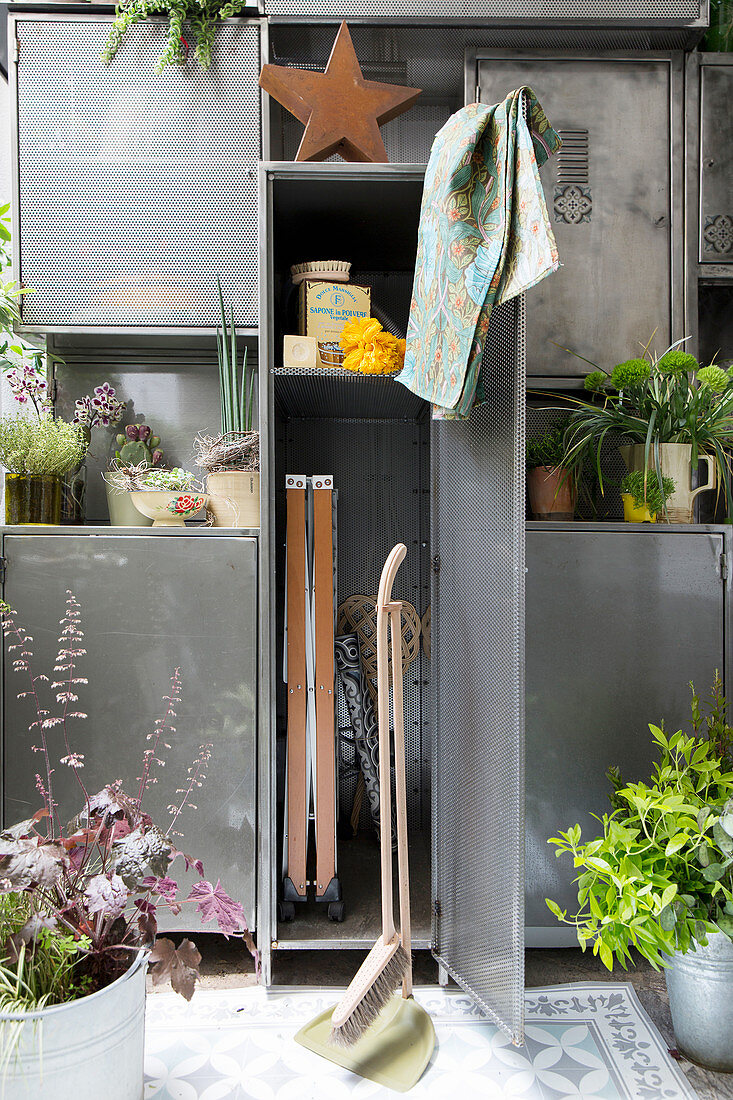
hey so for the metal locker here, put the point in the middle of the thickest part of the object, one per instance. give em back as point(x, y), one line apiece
point(716, 160)
point(150, 603)
point(619, 620)
point(613, 196)
point(133, 191)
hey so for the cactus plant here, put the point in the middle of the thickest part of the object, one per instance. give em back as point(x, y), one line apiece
point(138, 446)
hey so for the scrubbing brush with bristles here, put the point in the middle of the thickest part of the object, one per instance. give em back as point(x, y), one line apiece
point(327, 271)
point(389, 962)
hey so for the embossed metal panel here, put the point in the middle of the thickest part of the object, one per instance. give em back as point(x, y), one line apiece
point(135, 190)
point(606, 610)
point(716, 163)
point(150, 603)
point(609, 196)
point(478, 678)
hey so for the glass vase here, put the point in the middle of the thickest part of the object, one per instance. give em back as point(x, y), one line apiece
point(33, 498)
point(74, 495)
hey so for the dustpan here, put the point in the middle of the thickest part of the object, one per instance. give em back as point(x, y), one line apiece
point(393, 1052)
point(395, 1049)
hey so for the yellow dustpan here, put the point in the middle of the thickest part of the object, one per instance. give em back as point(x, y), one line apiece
point(396, 1047)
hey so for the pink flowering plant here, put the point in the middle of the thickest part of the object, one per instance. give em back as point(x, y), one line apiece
point(101, 407)
point(94, 885)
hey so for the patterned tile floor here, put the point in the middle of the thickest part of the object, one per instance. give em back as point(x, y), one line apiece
point(590, 1040)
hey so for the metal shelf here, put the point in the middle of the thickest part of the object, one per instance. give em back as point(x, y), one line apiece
point(334, 393)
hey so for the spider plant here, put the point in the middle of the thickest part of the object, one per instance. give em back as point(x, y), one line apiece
point(654, 400)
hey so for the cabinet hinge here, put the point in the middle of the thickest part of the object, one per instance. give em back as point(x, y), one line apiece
point(724, 566)
point(436, 563)
point(3, 565)
point(53, 390)
point(437, 908)
point(16, 48)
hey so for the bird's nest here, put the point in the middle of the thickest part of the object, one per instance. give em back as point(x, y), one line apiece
point(233, 451)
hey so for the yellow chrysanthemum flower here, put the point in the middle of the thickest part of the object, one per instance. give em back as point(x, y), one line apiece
point(369, 349)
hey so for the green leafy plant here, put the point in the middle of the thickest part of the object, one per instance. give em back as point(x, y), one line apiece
point(650, 400)
point(40, 445)
point(644, 486)
point(549, 448)
point(659, 876)
point(173, 481)
point(203, 16)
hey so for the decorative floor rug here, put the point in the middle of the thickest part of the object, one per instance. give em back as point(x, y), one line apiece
point(591, 1040)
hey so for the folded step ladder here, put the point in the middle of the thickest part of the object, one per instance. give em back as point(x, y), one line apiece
point(310, 677)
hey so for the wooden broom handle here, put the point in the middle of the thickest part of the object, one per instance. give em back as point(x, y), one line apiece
point(401, 791)
point(384, 596)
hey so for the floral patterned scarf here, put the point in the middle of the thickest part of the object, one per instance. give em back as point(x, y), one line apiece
point(484, 237)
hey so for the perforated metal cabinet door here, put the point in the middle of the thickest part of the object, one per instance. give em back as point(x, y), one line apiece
point(478, 662)
point(518, 11)
point(136, 190)
point(609, 193)
point(149, 604)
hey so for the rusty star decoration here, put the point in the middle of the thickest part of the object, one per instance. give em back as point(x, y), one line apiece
point(341, 111)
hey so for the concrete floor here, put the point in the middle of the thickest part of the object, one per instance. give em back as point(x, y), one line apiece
point(226, 965)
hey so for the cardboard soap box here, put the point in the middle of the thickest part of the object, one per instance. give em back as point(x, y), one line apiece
point(324, 308)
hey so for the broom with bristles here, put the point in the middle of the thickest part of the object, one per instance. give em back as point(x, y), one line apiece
point(389, 962)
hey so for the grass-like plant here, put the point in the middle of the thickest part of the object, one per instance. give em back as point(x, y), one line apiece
point(645, 488)
point(40, 445)
point(659, 876)
point(236, 387)
point(654, 400)
point(203, 16)
point(547, 449)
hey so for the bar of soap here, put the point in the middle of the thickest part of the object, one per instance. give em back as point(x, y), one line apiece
point(300, 351)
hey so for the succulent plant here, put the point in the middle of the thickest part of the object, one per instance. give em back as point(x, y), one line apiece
point(138, 446)
point(175, 480)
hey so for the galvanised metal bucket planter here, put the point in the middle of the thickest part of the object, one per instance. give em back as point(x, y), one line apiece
point(700, 987)
point(91, 1047)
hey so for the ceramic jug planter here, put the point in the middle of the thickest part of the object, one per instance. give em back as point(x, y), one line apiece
point(234, 498)
point(700, 987)
point(675, 462)
point(89, 1047)
point(552, 493)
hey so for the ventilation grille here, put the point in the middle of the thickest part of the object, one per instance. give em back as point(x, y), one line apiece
point(136, 190)
point(572, 157)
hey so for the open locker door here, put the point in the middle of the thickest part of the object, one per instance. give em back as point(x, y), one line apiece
point(478, 659)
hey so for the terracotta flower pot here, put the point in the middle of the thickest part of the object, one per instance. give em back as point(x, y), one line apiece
point(552, 493)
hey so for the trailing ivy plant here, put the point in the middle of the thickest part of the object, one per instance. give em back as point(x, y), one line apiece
point(659, 876)
point(203, 17)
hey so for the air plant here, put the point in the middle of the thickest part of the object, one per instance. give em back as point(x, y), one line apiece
point(97, 882)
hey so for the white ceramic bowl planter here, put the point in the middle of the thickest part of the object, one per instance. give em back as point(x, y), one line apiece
point(167, 507)
point(91, 1047)
point(234, 498)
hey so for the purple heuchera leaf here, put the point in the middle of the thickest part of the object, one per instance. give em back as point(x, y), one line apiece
point(180, 965)
point(106, 894)
point(26, 863)
point(213, 903)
